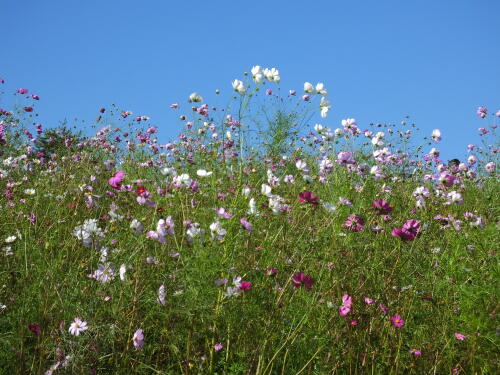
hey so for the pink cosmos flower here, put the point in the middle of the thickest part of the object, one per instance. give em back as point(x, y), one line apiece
point(246, 224)
point(22, 91)
point(369, 301)
point(271, 271)
point(354, 223)
point(460, 336)
point(223, 213)
point(382, 207)
point(397, 321)
point(218, 347)
point(301, 279)
point(415, 352)
point(345, 308)
point(138, 339)
point(482, 111)
point(116, 180)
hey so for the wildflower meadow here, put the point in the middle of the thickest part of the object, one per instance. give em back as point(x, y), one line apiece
point(264, 239)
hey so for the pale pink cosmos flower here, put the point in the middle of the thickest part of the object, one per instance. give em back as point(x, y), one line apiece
point(138, 339)
point(218, 347)
point(77, 327)
point(460, 336)
point(244, 222)
point(345, 308)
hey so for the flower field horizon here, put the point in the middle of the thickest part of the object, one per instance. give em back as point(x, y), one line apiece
point(260, 241)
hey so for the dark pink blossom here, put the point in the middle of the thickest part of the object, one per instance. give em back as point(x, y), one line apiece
point(245, 285)
point(308, 197)
point(382, 207)
point(301, 279)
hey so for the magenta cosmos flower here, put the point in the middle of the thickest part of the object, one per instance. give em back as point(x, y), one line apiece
point(301, 279)
point(354, 223)
point(245, 285)
point(382, 207)
point(397, 321)
point(116, 180)
point(308, 197)
point(460, 336)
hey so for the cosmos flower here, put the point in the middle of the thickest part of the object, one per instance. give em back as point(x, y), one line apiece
point(460, 336)
point(138, 339)
point(324, 106)
point(203, 173)
point(345, 308)
point(161, 295)
point(272, 75)
point(415, 352)
point(244, 222)
point(482, 111)
point(116, 180)
point(309, 88)
point(354, 223)
point(301, 279)
point(77, 327)
point(238, 86)
point(397, 321)
point(257, 74)
point(382, 207)
point(308, 197)
point(195, 98)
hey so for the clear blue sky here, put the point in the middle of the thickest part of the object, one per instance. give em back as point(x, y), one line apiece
point(436, 61)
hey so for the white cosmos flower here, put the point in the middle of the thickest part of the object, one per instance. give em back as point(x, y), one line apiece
point(246, 191)
point(320, 89)
point(203, 173)
point(137, 226)
point(253, 207)
point(272, 75)
point(266, 190)
point(324, 105)
point(329, 207)
point(436, 135)
point(257, 74)
point(10, 239)
point(319, 128)
point(161, 295)
point(168, 171)
point(309, 88)
point(30, 191)
point(239, 86)
point(77, 327)
point(217, 232)
point(195, 98)
point(123, 269)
